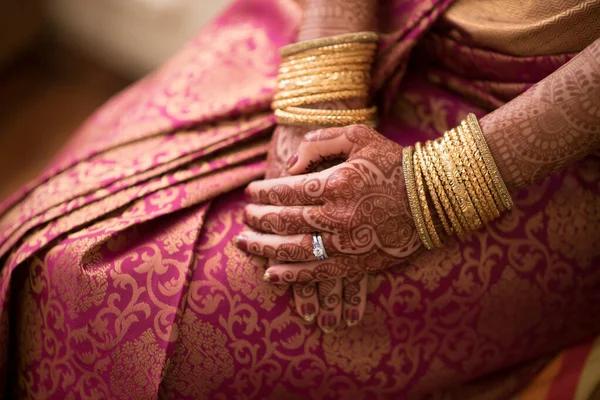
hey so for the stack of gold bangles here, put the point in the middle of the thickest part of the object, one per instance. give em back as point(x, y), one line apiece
point(458, 174)
point(323, 70)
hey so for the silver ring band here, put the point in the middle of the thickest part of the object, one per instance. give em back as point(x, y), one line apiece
point(318, 248)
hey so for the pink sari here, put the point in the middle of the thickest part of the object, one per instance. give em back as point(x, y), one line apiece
point(120, 280)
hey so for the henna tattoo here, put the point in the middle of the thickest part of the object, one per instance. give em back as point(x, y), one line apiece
point(555, 122)
point(325, 162)
point(352, 292)
point(284, 144)
point(362, 204)
point(329, 298)
point(333, 17)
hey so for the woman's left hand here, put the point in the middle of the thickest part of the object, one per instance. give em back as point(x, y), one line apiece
point(359, 207)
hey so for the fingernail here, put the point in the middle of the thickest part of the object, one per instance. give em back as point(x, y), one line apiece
point(291, 161)
point(241, 242)
point(328, 330)
point(270, 278)
point(329, 323)
point(352, 318)
point(308, 312)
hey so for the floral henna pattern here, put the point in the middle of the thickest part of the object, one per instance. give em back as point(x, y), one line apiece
point(325, 161)
point(359, 205)
point(555, 122)
point(333, 17)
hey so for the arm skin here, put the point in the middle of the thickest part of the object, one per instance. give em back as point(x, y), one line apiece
point(324, 18)
point(553, 124)
point(321, 18)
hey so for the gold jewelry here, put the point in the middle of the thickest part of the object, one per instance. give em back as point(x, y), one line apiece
point(321, 62)
point(488, 159)
point(452, 209)
point(319, 98)
point(435, 239)
point(468, 215)
point(454, 149)
point(358, 37)
point(413, 200)
point(370, 112)
point(482, 167)
point(364, 68)
point(421, 157)
point(467, 144)
point(326, 79)
point(285, 117)
point(335, 49)
point(289, 94)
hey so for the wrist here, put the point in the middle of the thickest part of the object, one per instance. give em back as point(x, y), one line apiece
point(499, 149)
point(334, 17)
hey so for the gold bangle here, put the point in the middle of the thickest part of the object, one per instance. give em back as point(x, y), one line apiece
point(486, 154)
point(335, 49)
point(284, 117)
point(326, 79)
point(421, 157)
point(472, 188)
point(413, 200)
point(321, 62)
point(467, 144)
point(319, 98)
point(452, 210)
point(370, 112)
point(360, 55)
point(358, 37)
point(289, 94)
point(468, 214)
point(364, 68)
point(435, 239)
point(487, 179)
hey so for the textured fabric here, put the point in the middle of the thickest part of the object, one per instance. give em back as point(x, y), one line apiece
point(120, 279)
point(522, 28)
point(573, 374)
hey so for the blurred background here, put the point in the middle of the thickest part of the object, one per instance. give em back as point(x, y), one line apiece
point(61, 59)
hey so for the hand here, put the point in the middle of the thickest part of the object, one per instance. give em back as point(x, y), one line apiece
point(323, 300)
point(359, 207)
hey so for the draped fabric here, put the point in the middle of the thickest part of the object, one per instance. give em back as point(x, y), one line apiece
point(119, 277)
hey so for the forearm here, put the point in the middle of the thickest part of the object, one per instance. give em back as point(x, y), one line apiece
point(554, 123)
point(333, 17)
point(321, 18)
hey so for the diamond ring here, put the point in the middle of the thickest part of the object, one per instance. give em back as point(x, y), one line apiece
point(318, 248)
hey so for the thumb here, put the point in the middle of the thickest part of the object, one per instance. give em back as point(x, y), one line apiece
point(327, 144)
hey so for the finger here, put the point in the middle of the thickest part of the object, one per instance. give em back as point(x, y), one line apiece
point(312, 271)
point(291, 248)
point(318, 146)
point(354, 298)
point(330, 302)
point(307, 301)
point(280, 220)
point(290, 190)
point(328, 144)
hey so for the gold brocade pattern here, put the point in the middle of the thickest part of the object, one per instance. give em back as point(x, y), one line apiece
point(504, 319)
point(359, 351)
point(201, 361)
point(525, 28)
point(245, 274)
point(574, 217)
point(137, 368)
point(141, 293)
point(436, 265)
